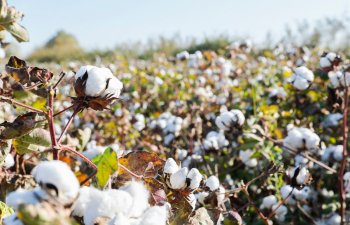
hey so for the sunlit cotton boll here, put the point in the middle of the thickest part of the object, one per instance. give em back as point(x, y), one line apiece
point(9, 161)
point(302, 175)
point(288, 191)
point(215, 141)
point(327, 59)
point(332, 152)
point(22, 196)
point(228, 119)
point(140, 196)
point(268, 202)
point(156, 215)
point(85, 195)
point(119, 219)
point(107, 204)
point(178, 179)
point(299, 138)
point(59, 175)
point(170, 166)
point(332, 120)
point(302, 78)
point(212, 183)
point(195, 178)
point(246, 158)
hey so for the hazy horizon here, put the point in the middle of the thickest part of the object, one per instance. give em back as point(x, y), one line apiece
point(131, 21)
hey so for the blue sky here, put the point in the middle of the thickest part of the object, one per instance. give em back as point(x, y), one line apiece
point(104, 23)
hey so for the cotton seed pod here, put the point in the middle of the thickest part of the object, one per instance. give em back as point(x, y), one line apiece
point(302, 78)
point(230, 119)
point(178, 179)
point(194, 177)
point(96, 87)
point(57, 180)
point(329, 60)
point(212, 183)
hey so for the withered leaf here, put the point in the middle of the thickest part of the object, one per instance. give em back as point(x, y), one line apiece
point(22, 125)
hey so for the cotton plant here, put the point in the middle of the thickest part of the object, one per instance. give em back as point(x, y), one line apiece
point(339, 78)
point(302, 78)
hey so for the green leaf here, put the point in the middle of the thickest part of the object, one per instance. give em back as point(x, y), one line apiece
point(32, 141)
point(107, 164)
point(4, 210)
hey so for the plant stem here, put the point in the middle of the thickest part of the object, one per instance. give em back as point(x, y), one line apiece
point(14, 102)
point(63, 110)
point(83, 157)
point(51, 126)
point(251, 202)
point(345, 153)
point(76, 110)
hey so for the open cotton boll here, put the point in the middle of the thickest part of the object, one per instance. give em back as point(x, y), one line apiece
point(100, 205)
point(280, 212)
point(302, 175)
point(9, 161)
point(83, 70)
point(96, 81)
point(183, 55)
point(302, 78)
point(191, 198)
point(346, 179)
point(332, 120)
point(122, 200)
point(22, 196)
point(311, 139)
point(246, 158)
point(268, 202)
point(201, 196)
point(325, 62)
point(59, 175)
point(170, 166)
point(120, 219)
point(212, 183)
point(156, 215)
point(300, 160)
point(12, 220)
point(287, 190)
point(335, 219)
point(114, 87)
point(294, 139)
point(221, 194)
point(178, 179)
point(344, 79)
point(85, 195)
point(228, 119)
point(196, 177)
point(140, 196)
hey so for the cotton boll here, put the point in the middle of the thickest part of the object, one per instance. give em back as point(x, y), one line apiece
point(114, 87)
point(334, 77)
point(59, 175)
point(120, 219)
point(85, 195)
point(338, 153)
point(294, 139)
point(346, 178)
point(268, 202)
point(286, 191)
point(299, 160)
point(201, 196)
point(83, 70)
point(21, 196)
point(344, 79)
point(100, 205)
point(221, 194)
point(246, 158)
point(335, 219)
point(140, 197)
point(96, 81)
point(302, 175)
point(332, 120)
point(9, 161)
point(178, 179)
point(302, 78)
point(324, 62)
point(122, 200)
point(156, 215)
point(170, 166)
point(195, 177)
point(280, 212)
point(212, 183)
point(312, 140)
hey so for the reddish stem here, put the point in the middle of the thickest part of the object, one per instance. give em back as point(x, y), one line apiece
point(83, 157)
point(51, 126)
point(77, 109)
point(345, 153)
point(63, 110)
